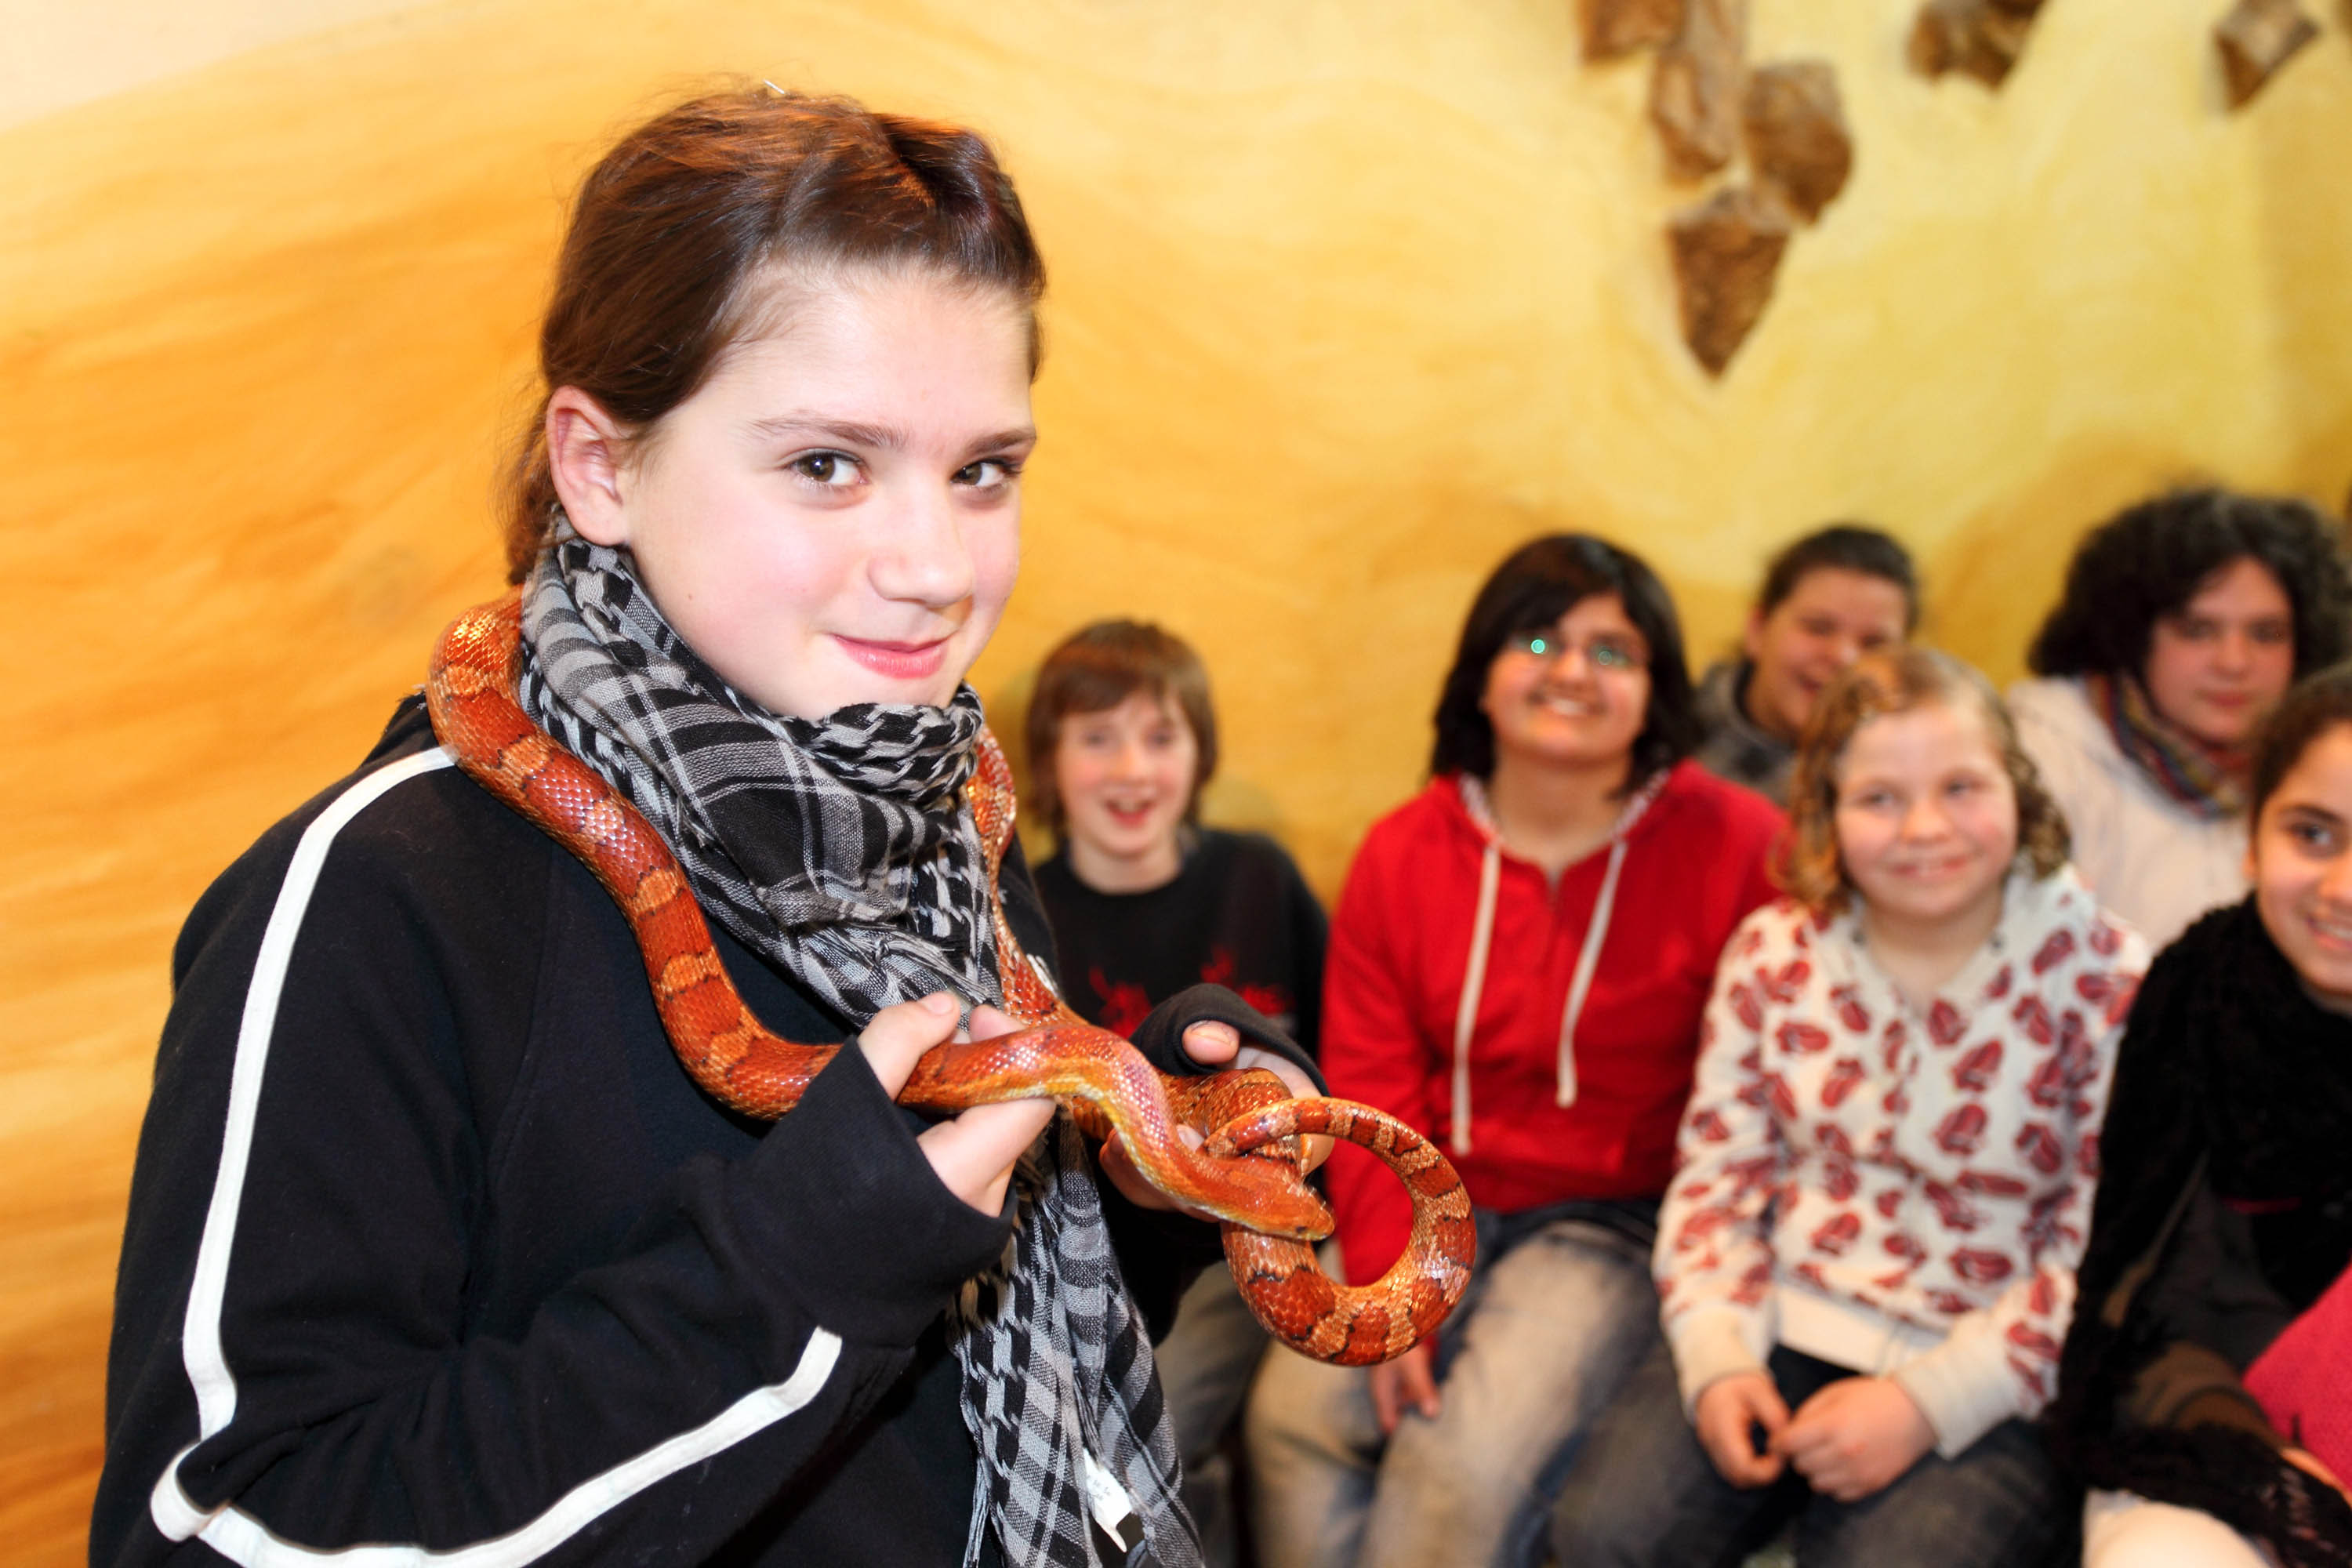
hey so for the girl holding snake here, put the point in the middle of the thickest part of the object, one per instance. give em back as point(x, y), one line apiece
point(433, 1249)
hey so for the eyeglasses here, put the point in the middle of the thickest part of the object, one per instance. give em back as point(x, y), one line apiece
point(1604, 652)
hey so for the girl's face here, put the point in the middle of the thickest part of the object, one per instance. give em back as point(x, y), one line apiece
point(834, 516)
point(1927, 814)
point(2228, 657)
point(1125, 774)
point(2300, 862)
point(1574, 694)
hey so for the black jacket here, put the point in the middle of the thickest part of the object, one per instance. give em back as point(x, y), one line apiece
point(433, 1242)
point(2224, 1209)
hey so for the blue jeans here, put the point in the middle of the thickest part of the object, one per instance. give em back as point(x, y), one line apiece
point(1206, 1366)
point(1559, 1309)
point(1644, 1491)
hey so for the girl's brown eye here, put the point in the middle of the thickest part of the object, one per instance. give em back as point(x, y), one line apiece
point(829, 468)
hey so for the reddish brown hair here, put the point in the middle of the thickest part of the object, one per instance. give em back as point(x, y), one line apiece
point(1895, 680)
point(1100, 667)
point(657, 274)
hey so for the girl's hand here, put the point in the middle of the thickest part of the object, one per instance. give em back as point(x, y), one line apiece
point(1854, 1436)
point(972, 1154)
point(1410, 1382)
point(1220, 1045)
point(1216, 1045)
point(1724, 1418)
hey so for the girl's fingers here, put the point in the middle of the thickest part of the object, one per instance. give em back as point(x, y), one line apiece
point(1212, 1043)
point(899, 1034)
point(1294, 1078)
point(1119, 1167)
point(974, 1153)
point(988, 1022)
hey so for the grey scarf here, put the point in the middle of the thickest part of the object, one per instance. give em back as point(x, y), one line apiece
point(840, 849)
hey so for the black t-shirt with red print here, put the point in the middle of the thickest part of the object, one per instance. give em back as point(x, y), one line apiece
point(1237, 914)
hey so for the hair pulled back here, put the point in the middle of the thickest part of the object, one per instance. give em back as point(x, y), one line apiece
point(1536, 585)
point(660, 267)
point(1846, 547)
point(2149, 560)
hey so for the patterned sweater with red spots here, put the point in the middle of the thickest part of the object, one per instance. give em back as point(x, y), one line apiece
point(1899, 1190)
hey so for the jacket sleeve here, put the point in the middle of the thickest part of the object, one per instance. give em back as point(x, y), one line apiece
point(295, 1371)
point(2212, 1312)
point(1714, 1257)
point(1373, 1053)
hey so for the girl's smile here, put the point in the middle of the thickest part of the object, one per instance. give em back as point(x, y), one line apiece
point(1125, 775)
point(1927, 815)
point(834, 516)
point(1575, 693)
point(2300, 862)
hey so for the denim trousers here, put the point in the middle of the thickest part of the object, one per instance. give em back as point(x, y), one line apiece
point(1559, 1309)
point(1644, 1491)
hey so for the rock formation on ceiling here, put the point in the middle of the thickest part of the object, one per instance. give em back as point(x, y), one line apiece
point(1694, 94)
point(1726, 250)
point(1799, 149)
point(2256, 38)
point(1981, 38)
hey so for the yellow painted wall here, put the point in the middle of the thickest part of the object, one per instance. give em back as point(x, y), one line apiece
point(1348, 296)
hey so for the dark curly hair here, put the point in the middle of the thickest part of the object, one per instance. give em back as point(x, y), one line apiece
point(2149, 560)
point(1536, 585)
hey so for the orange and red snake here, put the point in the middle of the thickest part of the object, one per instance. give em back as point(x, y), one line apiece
point(1245, 1172)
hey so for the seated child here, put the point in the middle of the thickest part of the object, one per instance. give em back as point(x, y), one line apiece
point(1145, 902)
point(1827, 599)
point(1520, 960)
point(2199, 1378)
point(1867, 1257)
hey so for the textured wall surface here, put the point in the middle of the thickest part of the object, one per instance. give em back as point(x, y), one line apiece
point(1347, 298)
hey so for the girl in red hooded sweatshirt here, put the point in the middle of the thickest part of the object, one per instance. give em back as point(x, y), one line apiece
point(1518, 967)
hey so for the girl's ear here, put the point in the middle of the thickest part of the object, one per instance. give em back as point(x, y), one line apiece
point(587, 450)
point(1751, 640)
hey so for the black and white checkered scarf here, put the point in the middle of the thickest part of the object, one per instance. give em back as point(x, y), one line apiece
point(842, 850)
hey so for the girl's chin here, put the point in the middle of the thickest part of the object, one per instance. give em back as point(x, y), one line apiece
point(1920, 905)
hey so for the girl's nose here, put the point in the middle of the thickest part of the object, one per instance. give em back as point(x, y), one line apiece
point(2336, 882)
point(920, 553)
point(1925, 818)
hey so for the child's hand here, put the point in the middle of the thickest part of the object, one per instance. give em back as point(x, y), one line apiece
point(1220, 1045)
point(1408, 1382)
point(972, 1154)
point(1216, 1043)
point(1856, 1436)
point(1727, 1411)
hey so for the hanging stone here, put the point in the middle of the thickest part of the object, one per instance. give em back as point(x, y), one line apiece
point(1726, 250)
point(2255, 39)
point(1694, 94)
point(1616, 27)
point(1981, 38)
point(1798, 145)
